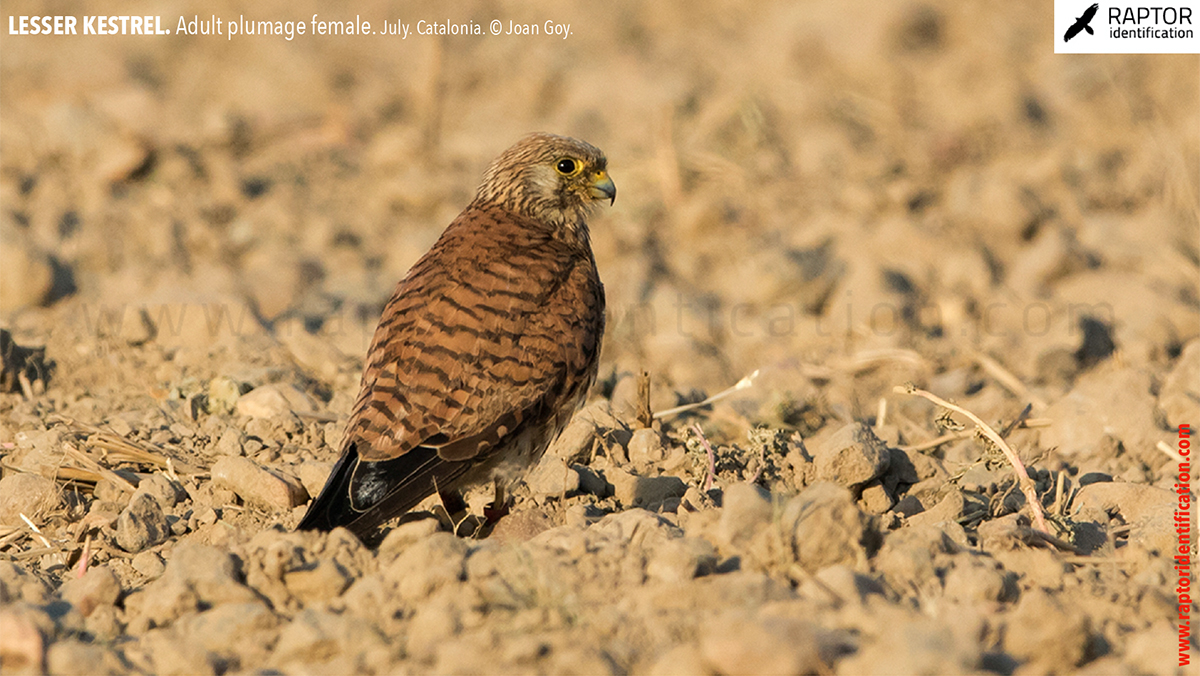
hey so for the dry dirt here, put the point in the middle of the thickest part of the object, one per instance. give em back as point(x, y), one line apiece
point(841, 197)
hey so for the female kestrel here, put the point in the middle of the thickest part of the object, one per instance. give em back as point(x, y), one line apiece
point(488, 345)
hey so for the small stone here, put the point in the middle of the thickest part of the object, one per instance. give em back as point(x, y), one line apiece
point(575, 443)
point(948, 508)
point(876, 498)
point(682, 660)
point(230, 442)
point(591, 482)
point(120, 426)
point(642, 491)
point(909, 506)
point(269, 401)
point(142, 524)
point(29, 494)
point(255, 485)
point(243, 631)
point(646, 447)
point(1103, 403)
point(405, 535)
point(551, 478)
point(427, 565)
point(746, 508)
point(828, 527)
point(852, 456)
point(98, 587)
point(979, 580)
point(160, 487)
point(149, 564)
point(197, 576)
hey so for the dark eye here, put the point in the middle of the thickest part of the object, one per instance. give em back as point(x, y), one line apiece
point(566, 166)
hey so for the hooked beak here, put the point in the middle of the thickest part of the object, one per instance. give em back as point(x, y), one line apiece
point(602, 187)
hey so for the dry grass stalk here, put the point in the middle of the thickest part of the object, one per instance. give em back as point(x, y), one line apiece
point(644, 416)
point(712, 457)
point(1027, 485)
point(742, 384)
point(90, 464)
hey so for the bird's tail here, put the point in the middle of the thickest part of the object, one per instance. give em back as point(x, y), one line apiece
point(362, 496)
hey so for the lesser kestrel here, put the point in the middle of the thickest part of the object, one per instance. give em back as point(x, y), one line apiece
point(488, 345)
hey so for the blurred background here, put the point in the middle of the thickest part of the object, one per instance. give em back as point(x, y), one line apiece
point(805, 188)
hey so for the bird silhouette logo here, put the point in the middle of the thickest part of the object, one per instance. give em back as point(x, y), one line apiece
point(1083, 23)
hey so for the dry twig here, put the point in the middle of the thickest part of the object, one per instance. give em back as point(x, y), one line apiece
point(712, 458)
point(742, 384)
point(1027, 485)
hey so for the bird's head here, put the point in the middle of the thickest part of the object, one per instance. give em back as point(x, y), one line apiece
point(552, 179)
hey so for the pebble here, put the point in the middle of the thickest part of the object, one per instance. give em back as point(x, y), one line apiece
point(876, 498)
point(269, 401)
point(646, 447)
point(230, 442)
point(681, 559)
point(142, 524)
point(828, 527)
point(575, 443)
point(551, 479)
point(255, 485)
point(159, 486)
point(948, 508)
point(746, 508)
point(643, 491)
point(98, 587)
point(24, 641)
point(852, 456)
point(149, 564)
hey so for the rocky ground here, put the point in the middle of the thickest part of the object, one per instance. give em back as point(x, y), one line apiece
point(821, 206)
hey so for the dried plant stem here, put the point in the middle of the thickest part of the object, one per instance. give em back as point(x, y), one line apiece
point(742, 384)
point(644, 416)
point(955, 436)
point(1027, 485)
point(712, 458)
